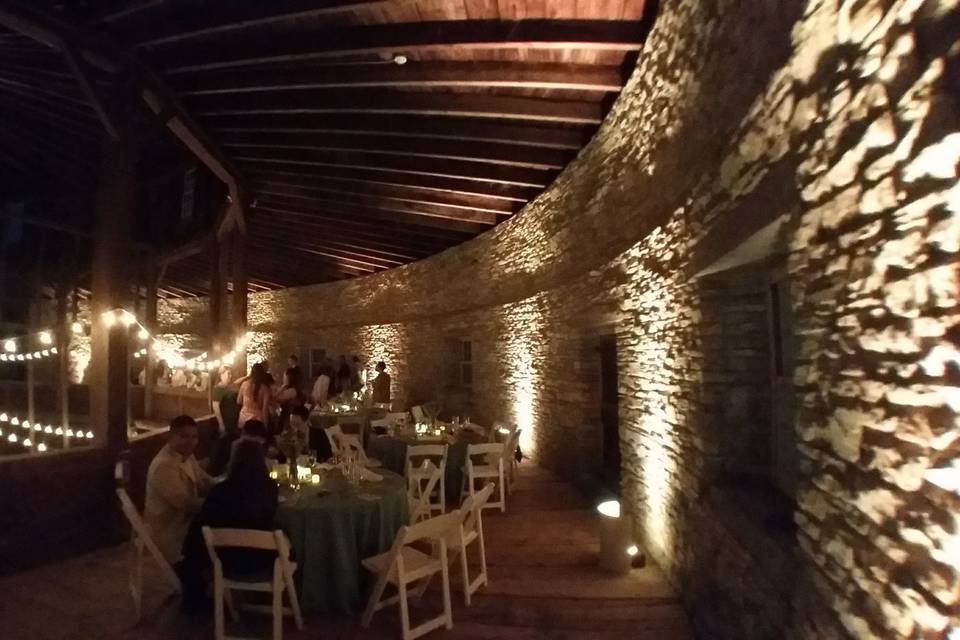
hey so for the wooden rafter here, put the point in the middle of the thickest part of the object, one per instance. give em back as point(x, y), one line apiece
point(386, 39)
point(439, 74)
point(447, 105)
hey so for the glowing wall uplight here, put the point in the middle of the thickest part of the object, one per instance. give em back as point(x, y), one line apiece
point(520, 353)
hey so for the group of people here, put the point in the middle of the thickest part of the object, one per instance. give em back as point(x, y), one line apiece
point(182, 497)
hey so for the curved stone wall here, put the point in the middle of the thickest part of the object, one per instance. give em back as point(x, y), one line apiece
point(838, 119)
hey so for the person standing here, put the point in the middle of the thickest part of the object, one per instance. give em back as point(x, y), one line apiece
point(381, 385)
point(321, 388)
point(176, 486)
point(255, 396)
point(344, 376)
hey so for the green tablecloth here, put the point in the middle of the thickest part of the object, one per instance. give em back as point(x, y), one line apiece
point(332, 528)
point(392, 452)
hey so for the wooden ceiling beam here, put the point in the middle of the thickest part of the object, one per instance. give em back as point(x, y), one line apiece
point(366, 224)
point(374, 202)
point(447, 169)
point(395, 253)
point(465, 190)
point(362, 175)
point(407, 37)
point(488, 152)
point(321, 189)
point(414, 74)
point(183, 22)
point(349, 207)
point(297, 270)
point(379, 101)
point(540, 135)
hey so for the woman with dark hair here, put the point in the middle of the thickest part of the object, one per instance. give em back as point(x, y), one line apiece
point(246, 499)
point(290, 395)
point(254, 396)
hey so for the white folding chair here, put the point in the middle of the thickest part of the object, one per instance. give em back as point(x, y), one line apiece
point(490, 469)
point(418, 415)
point(419, 501)
point(275, 583)
point(350, 445)
point(332, 434)
point(139, 540)
point(416, 476)
point(403, 564)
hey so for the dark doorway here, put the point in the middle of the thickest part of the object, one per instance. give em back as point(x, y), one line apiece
point(610, 413)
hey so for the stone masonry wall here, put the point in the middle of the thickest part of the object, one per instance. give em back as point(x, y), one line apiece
point(839, 118)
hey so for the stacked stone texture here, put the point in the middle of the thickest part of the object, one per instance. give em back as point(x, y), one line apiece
point(841, 118)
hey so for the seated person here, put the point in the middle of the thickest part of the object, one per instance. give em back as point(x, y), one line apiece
point(176, 486)
point(246, 499)
point(225, 444)
point(296, 435)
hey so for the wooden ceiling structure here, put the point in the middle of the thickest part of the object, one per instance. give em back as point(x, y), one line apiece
point(365, 134)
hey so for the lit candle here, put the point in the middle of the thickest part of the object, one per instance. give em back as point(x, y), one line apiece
point(315, 479)
point(274, 475)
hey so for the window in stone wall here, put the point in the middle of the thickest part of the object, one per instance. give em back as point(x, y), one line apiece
point(466, 363)
point(317, 358)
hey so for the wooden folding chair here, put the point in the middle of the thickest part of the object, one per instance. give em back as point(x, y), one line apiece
point(419, 500)
point(333, 433)
point(139, 540)
point(275, 583)
point(350, 445)
point(492, 453)
point(403, 565)
point(416, 477)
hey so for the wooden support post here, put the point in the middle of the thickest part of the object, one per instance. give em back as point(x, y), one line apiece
point(109, 390)
point(238, 311)
point(150, 321)
point(63, 361)
point(219, 302)
point(32, 312)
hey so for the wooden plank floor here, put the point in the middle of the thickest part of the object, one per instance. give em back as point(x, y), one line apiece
point(544, 584)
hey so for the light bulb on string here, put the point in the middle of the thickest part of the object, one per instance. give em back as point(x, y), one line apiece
point(58, 431)
point(127, 318)
point(89, 435)
point(46, 338)
point(69, 433)
point(41, 447)
point(14, 420)
point(12, 437)
point(109, 318)
point(48, 429)
point(4, 417)
point(53, 350)
point(27, 442)
point(20, 357)
point(10, 346)
point(45, 352)
point(77, 328)
point(143, 334)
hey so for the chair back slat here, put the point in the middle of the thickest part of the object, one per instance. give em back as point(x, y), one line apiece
point(241, 538)
point(419, 496)
point(473, 504)
point(434, 528)
point(426, 450)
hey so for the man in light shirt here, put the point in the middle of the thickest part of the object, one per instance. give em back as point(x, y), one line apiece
point(176, 486)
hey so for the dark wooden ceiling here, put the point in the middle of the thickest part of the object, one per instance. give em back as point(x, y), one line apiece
point(355, 163)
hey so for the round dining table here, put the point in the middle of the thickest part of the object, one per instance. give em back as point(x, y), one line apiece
point(332, 527)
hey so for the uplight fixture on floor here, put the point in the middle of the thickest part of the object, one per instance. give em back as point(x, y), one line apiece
point(616, 548)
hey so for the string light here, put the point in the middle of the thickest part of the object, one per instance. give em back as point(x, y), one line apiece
point(46, 338)
point(10, 346)
point(77, 328)
point(12, 437)
point(41, 447)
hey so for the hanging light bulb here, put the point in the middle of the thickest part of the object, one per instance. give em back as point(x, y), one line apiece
point(26, 424)
point(127, 318)
point(4, 417)
point(38, 427)
point(14, 420)
point(53, 350)
point(3, 357)
point(45, 352)
point(89, 435)
point(48, 428)
point(109, 318)
point(69, 433)
point(29, 356)
point(10, 346)
point(27, 442)
point(77, 328)
point(46, 338)
point(41, 447)
point(58, 431)
point(143, 334)
point(20, 357)
point(12, 437)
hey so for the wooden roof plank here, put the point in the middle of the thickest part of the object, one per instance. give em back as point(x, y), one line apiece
point(377, 101)
point(488, 152)
point(400, 37)
point(414, 74)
